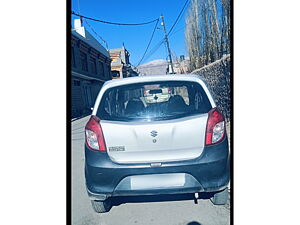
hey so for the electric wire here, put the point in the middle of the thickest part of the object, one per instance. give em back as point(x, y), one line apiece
point(154, 49)
point(149, 42)
point(113, 23)
point(176, 31)
point(106, 44)
point(179, 15)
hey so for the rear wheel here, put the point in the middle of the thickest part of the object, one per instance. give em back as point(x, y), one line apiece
point(101, 206)
point(220, 198)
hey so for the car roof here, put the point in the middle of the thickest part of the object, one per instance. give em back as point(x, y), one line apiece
point(149, 78)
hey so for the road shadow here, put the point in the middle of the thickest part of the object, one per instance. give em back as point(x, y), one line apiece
point(194, 223)
point(116, 201)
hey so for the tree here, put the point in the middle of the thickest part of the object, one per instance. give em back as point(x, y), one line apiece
point(207, 32)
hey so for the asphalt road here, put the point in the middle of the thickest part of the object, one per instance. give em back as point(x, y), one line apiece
point(175, 211)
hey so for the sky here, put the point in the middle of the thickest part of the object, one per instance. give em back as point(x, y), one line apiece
point(135, 38)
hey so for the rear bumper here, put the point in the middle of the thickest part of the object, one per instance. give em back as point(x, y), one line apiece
point(208, 173)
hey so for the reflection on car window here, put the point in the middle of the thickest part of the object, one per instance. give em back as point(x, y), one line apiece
point(153, 101)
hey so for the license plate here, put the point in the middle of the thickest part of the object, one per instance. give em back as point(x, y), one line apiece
point(157, 181)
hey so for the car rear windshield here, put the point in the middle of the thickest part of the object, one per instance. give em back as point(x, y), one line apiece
point(153, 101)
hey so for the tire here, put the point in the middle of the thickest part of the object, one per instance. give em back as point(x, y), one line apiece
point(220, 198)
point(101, 206)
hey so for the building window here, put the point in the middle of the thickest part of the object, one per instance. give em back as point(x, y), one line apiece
point(101, 69)
point(115, 74)
point(93, 65)
point(106, 70)
point(83, 58)
point(73, 58)
point(76, 82)
point(87, 96)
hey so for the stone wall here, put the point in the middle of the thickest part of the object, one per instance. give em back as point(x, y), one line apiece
point(217, 76)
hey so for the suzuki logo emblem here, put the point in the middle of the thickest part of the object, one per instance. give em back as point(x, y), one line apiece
point(153, 133)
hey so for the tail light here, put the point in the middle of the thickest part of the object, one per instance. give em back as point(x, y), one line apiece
point(215, 129)
point(94, 136)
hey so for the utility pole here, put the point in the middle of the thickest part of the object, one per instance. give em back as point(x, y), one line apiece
point(167, 41)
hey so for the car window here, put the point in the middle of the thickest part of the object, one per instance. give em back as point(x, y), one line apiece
point(153, 101)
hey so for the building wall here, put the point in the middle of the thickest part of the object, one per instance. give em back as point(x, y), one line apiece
point(87, 83)
point(101, 61)
point(76, 93)
point(153, 69)
point(120, 61)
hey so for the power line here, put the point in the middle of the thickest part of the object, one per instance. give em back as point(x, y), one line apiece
point(167, 34)
point(154, 49)
point(97, 34)
point(157, 46)
point(149, 42)
point(113, 23)
point(176, 31)
point(178, 16)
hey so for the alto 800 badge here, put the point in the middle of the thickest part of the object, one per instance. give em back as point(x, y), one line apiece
point(117, 149)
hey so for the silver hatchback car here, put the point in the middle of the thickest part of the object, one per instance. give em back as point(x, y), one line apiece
point(154, 135)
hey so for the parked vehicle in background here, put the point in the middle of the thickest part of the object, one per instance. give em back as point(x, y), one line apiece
point(155, 135)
